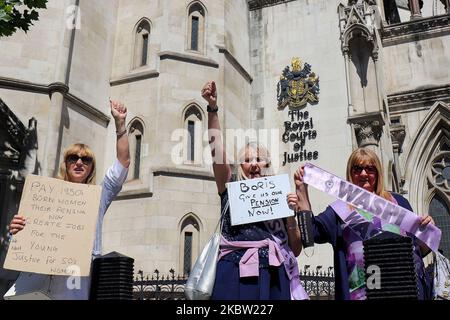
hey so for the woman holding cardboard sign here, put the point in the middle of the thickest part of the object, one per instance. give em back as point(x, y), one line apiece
point(79, 166)
point(347, 236)
point(253, 263)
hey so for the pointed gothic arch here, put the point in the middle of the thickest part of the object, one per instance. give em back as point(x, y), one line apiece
point(189, 230)
point(141, 49)
point(355, 27)
point(193, 118)
point(196, 25)
point(136, 131)
point(432, 135)
point(360, 49)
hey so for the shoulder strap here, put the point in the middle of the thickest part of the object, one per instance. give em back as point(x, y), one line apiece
point(219, 226)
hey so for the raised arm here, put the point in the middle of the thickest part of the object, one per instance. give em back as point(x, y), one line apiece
point(222, 170)
point(119, 112)
point(325, 225)
point(301, 189)
point(293, 231)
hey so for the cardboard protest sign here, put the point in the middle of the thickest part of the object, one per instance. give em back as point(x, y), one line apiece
point(259, 199)
point(58, 237)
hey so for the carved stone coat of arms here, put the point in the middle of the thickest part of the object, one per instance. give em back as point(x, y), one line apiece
point(297, 87)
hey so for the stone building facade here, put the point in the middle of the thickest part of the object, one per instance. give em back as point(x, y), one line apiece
point(384, 70)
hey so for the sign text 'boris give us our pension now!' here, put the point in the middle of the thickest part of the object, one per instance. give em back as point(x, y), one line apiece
point(259, 200)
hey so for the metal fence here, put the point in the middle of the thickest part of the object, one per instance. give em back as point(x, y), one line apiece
point(318, 284)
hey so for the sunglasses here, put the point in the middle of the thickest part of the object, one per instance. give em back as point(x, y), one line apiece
point(73, 158)
point(367, 169)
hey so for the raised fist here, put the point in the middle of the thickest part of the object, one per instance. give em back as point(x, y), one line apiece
point(209, 93)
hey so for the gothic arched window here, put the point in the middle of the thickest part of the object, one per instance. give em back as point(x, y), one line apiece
point(189, 240)
point(193, 124)
point(196, 27)
point(141, 44)
point(439, 210)
point(441, 215)
point(135, 134)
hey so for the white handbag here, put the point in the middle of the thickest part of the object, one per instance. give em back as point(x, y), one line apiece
point(200, 283)
point(441, 284)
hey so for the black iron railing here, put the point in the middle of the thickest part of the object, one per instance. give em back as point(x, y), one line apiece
point(318, 284)
point(159, 287)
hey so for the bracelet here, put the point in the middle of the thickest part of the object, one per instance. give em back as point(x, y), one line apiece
point(210, 110)
point(119, 134)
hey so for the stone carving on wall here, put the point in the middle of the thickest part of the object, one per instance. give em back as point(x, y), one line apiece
point(357, 19)
point(398, 134)
point(439, 173)
point(368, 133)
point(297, 87)
point(368, 128)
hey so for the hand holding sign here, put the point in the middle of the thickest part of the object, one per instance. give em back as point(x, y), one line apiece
point(17, 224)
point(259, 200)
point(59, 235)
point(372, 203)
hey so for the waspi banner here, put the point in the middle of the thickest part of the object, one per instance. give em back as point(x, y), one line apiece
point(370, 202)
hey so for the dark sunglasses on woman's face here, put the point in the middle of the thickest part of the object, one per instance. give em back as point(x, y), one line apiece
point(367, 169)
point(73, 158)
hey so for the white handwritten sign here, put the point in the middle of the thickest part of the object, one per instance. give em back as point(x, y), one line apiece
point(60, 227)
point(259, 199)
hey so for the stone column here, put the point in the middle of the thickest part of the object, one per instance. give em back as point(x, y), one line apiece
point(398, 134)
point(414, 7)
point(50, 159)
point(347, 76)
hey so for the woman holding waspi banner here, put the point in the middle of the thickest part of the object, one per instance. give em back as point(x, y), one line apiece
point(253, 263)
point(78, 166)
point(364, 170)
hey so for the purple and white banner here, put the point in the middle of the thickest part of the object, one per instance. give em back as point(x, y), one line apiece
point(370, 202)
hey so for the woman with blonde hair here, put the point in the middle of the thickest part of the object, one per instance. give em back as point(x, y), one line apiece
point(257, 261)
point(79, 166)
point(364, 169)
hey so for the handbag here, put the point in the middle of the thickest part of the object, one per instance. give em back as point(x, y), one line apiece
point(200, 283)
point(441, 281)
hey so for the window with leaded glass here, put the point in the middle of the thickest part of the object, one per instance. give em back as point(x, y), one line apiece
point(137, 156)
point(144, 49)
point(439, 210)
point(187, 253)
point(196, 27)
point(193, 141)
point(194, 33)
point(141, 44)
